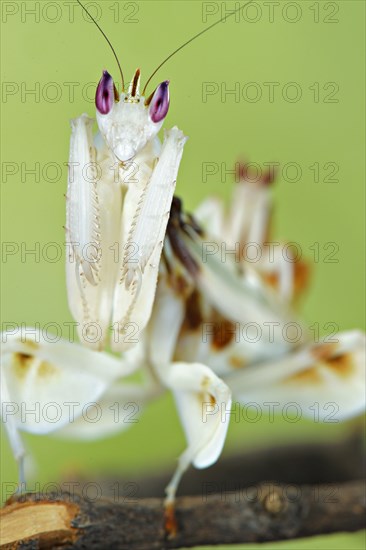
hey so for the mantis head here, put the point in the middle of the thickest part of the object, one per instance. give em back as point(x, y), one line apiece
point(127, 121)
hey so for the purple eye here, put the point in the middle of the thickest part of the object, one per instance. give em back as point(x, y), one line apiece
point(106, 94)
point(159, 105)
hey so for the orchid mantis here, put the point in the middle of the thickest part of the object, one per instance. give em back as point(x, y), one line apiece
point(163, 301)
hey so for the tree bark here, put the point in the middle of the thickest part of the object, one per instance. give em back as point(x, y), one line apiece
point(273, 513)
point(317, 490)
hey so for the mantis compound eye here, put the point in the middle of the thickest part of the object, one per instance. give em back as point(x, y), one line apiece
point(159, 104)
point(106, 94)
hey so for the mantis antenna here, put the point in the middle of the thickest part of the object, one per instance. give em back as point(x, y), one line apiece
point(109, 42)
point(192, 39)
point(173, 53)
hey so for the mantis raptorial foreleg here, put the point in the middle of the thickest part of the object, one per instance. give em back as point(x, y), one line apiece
point(83, 222)
point(145, 230)
point(151, 216)
point(94, 202)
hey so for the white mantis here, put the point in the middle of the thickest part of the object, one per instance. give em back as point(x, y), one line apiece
point(171, 301)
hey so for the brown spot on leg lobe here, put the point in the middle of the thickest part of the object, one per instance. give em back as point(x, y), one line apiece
point(193, 316)
point(323, 352)
point(237, 362)
point(341, 364)
point(307, 376)
point(223, 332)
point(21, 364)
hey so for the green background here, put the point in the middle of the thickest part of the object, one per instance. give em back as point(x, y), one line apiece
point(220, 130)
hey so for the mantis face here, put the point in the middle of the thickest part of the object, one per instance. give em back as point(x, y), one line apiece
point(127, 121)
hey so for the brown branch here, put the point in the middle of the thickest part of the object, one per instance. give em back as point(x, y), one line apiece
point(273, 513)
point(318, 490)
